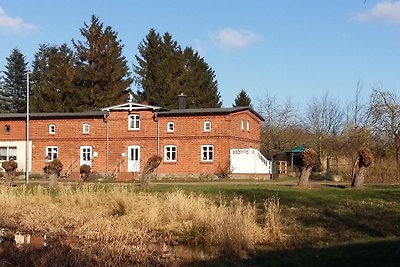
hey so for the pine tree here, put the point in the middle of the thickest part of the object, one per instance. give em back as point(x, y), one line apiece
point(159, 69)
point(198, 82)
point(14, 86)
point(102, 74)
point(53, 87)
point(164, 71)
point(3, 97)
point(242, 100)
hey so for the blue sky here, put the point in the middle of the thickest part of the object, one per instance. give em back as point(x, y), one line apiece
point(283, 48)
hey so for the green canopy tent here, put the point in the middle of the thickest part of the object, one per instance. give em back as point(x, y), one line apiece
point(295, 151)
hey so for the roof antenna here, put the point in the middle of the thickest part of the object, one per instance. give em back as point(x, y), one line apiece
point(130, 100)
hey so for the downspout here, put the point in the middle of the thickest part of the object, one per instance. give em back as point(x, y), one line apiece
point(107, 152)
point(158, 135)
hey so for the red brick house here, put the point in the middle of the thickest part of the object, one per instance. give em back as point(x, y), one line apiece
point(118, 140)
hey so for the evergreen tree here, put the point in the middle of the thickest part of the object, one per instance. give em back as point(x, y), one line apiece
point(3, 98)
point(102, 74)
point(159, 69)
point(13, 95)
point(242, 100)
point(198, 82)
point(53, 88)
point(164, 71)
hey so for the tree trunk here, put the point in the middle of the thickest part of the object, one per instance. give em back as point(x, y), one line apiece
point(8, 178)
point(53, 180)
point(358, 178)
point(151, 164)
point(304, 176)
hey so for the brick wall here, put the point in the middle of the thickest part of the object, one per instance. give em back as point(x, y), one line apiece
point(188, 136)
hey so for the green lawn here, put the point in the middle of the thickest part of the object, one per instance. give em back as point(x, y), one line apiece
point(325, 225)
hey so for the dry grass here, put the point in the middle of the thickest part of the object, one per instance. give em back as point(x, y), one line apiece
point(119, 224)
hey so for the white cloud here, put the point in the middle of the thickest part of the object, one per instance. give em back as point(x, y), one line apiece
point(10, 25)
point(387, 11)
point(236, 38)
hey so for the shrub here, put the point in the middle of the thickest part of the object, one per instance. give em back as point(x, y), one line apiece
point(54, 167)
point(85, 171)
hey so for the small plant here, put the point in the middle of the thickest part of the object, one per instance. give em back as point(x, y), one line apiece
point(119, 209)
point(225, 171)
point(272, 217)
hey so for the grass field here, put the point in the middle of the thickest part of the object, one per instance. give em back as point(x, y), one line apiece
point(236, 224)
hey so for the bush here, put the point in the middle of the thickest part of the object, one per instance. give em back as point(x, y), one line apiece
point(85, 171)
point(54, 167)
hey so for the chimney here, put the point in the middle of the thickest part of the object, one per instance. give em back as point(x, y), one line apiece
point(182, 101)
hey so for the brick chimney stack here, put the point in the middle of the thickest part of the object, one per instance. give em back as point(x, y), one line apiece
point(182, 101)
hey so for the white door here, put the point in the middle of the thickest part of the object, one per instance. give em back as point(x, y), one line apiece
point(133, 158)
point(86, 155)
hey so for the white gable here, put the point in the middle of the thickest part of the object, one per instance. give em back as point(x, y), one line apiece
point(130, 106)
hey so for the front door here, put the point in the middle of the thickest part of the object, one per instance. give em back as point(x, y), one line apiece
point(86, 155)
point(133, 158)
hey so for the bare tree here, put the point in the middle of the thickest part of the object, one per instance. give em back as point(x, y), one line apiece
point(324, 119)
point(280, 130)
point(357, 132)
point(384, 112)
point(357, 110)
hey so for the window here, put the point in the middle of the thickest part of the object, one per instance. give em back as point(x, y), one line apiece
point(248, 126)
point(86, 128)
point(8, 151)
point(134, 122)
point(7, 129)
point(207, 153)
point(242, 125)
point(52, 129)
point(170, 127)
point(51, 153)
point(207, 126)
point(170, 153)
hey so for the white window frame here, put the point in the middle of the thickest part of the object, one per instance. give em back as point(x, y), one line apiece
point(8, 154)
point(50, 152)
point(86, 128)
point(52, 129)
point(170, 153)
point(86, 155)
point(134, 122)
point(207, 149)
point(242, 125)
point(248, 126)
point(170, 127)
point(207, 126)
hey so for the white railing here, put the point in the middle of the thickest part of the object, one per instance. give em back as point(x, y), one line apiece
point(249, 161)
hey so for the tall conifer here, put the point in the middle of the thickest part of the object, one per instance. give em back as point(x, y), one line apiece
point(198, 82)
point(14, 87)
point(53, 87)
point(102, 74)
point(164, 71)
